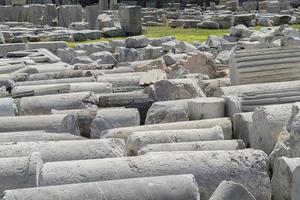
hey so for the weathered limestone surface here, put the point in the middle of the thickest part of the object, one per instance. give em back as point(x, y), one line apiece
point(296, 184)
point(8, 83)
point(52, 46)
point(124, 132)
point(130, 19)
point(264, 65)
point(185, 110)
point(231, 190)
point(97, 88)
point(250, 169)
point(242, 126)
point(68, 14)
point(28, 136)
point(294, 127)
point(140, 139)
point(247, 101)
point(84, 117)
point(288, 141)
point(113, 118)
point(282, 177)
point(51, 123)
point(158, 188)
point(8, 107)
point(268, 122)
point(282, 147)
point(194, 146)
point(52, 151)
point(121, 80)
point(237, 90)
point(43, 104)
point(57, 81)
point(175, 89)
point(58, 75)
point(19, 172)
point(135, 99)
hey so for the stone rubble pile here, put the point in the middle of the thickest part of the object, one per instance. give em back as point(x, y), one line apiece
point(66, 21)
point(150, 118)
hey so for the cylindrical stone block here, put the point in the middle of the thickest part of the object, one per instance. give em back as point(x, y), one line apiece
point(19, 172)
point(194, 146)
point(39, 105)
point(58, 75)
point(124, 132)
point(49, 123)
point(73, 87)
point(7, 107)
point(248, 167)
point(28, 136)
point(52, 151)
point(282, 177)
point(121, 80)
point(179, 187)
point(57, 81)
point(138, 140)
point(113, 118)
point(228, 190)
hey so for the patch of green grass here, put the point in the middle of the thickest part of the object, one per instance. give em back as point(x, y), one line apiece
point(187, 35)
point(72, 44)
point(295, 26)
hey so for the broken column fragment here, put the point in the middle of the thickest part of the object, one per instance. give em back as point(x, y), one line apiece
point(19, 172)
point(28, 136)
point(58, 75)
point(8, 107)
point(139, 139)
point(264, 65)
point(250, 169)
point(51, 123)
point(43, 104)
point(124, 132)
point(57, 81)
point(52, 151)
point(71, 88)
point(182, 187)
point(194, 146)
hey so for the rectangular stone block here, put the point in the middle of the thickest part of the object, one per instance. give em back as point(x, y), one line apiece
point(130, 19)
